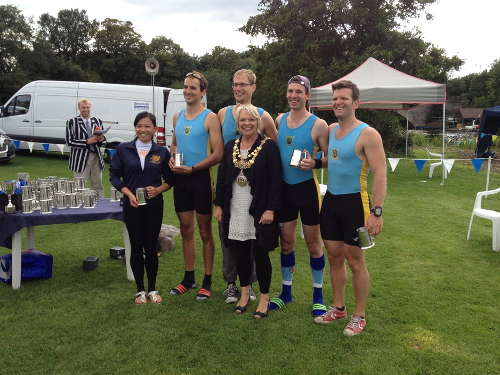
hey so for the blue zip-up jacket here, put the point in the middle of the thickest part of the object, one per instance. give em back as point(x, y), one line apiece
point(125, 169)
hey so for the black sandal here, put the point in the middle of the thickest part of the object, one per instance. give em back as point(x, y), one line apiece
point(241, 309)
point(261, 315)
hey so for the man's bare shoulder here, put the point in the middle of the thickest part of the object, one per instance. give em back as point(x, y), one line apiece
point(370, 132)
point(222, 113)
point(320, 123)
point(370, 138)
point(332, 126)
point(212, 119)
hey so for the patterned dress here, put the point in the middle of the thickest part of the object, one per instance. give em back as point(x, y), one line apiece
point(241, 223)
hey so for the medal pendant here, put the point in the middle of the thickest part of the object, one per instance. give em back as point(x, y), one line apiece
point(241, 164)
point(241, 180)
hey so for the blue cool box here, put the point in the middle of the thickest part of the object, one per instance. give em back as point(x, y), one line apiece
point(34, 265)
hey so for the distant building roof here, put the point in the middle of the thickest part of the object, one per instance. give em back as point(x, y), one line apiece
point(469, 112)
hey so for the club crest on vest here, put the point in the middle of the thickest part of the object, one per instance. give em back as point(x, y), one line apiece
point(335, 153)
point(187, 129)
point(289, 140)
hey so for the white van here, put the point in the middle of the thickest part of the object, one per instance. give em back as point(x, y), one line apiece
point(38, 112)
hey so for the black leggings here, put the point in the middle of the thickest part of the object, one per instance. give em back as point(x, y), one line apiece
point(263, 267)
point(143, 225)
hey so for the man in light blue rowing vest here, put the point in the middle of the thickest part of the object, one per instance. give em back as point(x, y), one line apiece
point(301, 131)
point(198, 137)
point(354, 149)
point(244, 84)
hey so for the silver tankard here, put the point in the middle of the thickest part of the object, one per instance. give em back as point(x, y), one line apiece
point(141, 195)
point(365, 240)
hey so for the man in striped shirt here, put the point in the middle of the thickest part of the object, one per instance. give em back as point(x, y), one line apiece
point(85, 158)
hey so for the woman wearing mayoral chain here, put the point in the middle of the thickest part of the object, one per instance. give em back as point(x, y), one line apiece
point(247, 196)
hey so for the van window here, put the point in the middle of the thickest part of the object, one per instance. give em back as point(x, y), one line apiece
point(20, 105)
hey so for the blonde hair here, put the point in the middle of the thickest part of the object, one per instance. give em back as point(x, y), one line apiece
point(252, 111)
point(83, 100)
point(252, 78)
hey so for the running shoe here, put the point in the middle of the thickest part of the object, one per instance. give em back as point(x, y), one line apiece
point(231, 293)
point(331, 315)
point(355, 326)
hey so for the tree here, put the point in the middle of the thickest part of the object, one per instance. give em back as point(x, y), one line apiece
point(326, 39)
point(119, 53)
point(477, 93)
point(161, 45)
point(494, 83)
point(219, 92)
point(70, 33)
point(174, 62)
point(15, 37)
point(223, 59)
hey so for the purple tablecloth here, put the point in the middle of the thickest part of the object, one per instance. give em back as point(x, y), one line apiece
point(11, 223)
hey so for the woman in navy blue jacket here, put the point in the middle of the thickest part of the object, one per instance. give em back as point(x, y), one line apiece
point(141, 163)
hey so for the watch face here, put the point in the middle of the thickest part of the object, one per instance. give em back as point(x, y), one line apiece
point(377, 211)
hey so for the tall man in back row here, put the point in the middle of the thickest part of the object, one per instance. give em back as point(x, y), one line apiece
point(197, 136)
point(300, 130)
point(354, 149)
point(244, 84)
point(85, 158)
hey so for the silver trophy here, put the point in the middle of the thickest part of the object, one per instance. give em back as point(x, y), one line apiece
point(80, 183)
point(178, 159)
point(61, 200)
point(45, 206)
point(9, 187)
point(365, 240)
point(141, 195)
point(88, 199)
point(297, 156)
point(27, 195)
point(23, 176)
point(113, 195)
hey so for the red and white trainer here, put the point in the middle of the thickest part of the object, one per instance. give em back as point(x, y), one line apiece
point(331, 315)
point(355, 326)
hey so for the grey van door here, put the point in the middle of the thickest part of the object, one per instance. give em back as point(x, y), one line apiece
point(17, 118)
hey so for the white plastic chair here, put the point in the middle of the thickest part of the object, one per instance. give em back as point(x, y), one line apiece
point(487, 214)
point(437, 164)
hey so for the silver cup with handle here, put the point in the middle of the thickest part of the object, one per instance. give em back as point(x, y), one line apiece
point(141, 195)
point(364, 238)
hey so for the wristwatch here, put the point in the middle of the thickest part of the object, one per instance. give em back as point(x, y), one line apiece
point(377, 211)
point(193, 170)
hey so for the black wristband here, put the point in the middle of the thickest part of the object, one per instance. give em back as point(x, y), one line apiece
point(318, 163)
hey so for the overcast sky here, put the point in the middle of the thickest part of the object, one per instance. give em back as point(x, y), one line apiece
point(469, 29)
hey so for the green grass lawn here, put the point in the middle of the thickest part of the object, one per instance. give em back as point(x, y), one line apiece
point(432, 308)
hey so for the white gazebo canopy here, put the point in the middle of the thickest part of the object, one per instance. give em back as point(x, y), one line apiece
point(383, 87)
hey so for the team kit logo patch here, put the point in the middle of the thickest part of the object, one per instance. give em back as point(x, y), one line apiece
point(335, 155)
point(187, 129)
point(289, 140)
point(156, 159)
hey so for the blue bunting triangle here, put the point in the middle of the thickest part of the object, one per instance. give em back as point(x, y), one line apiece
point(46, 147)
point(17, 144)
point(111, 151)
point(419, 163)
point(477, 164)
